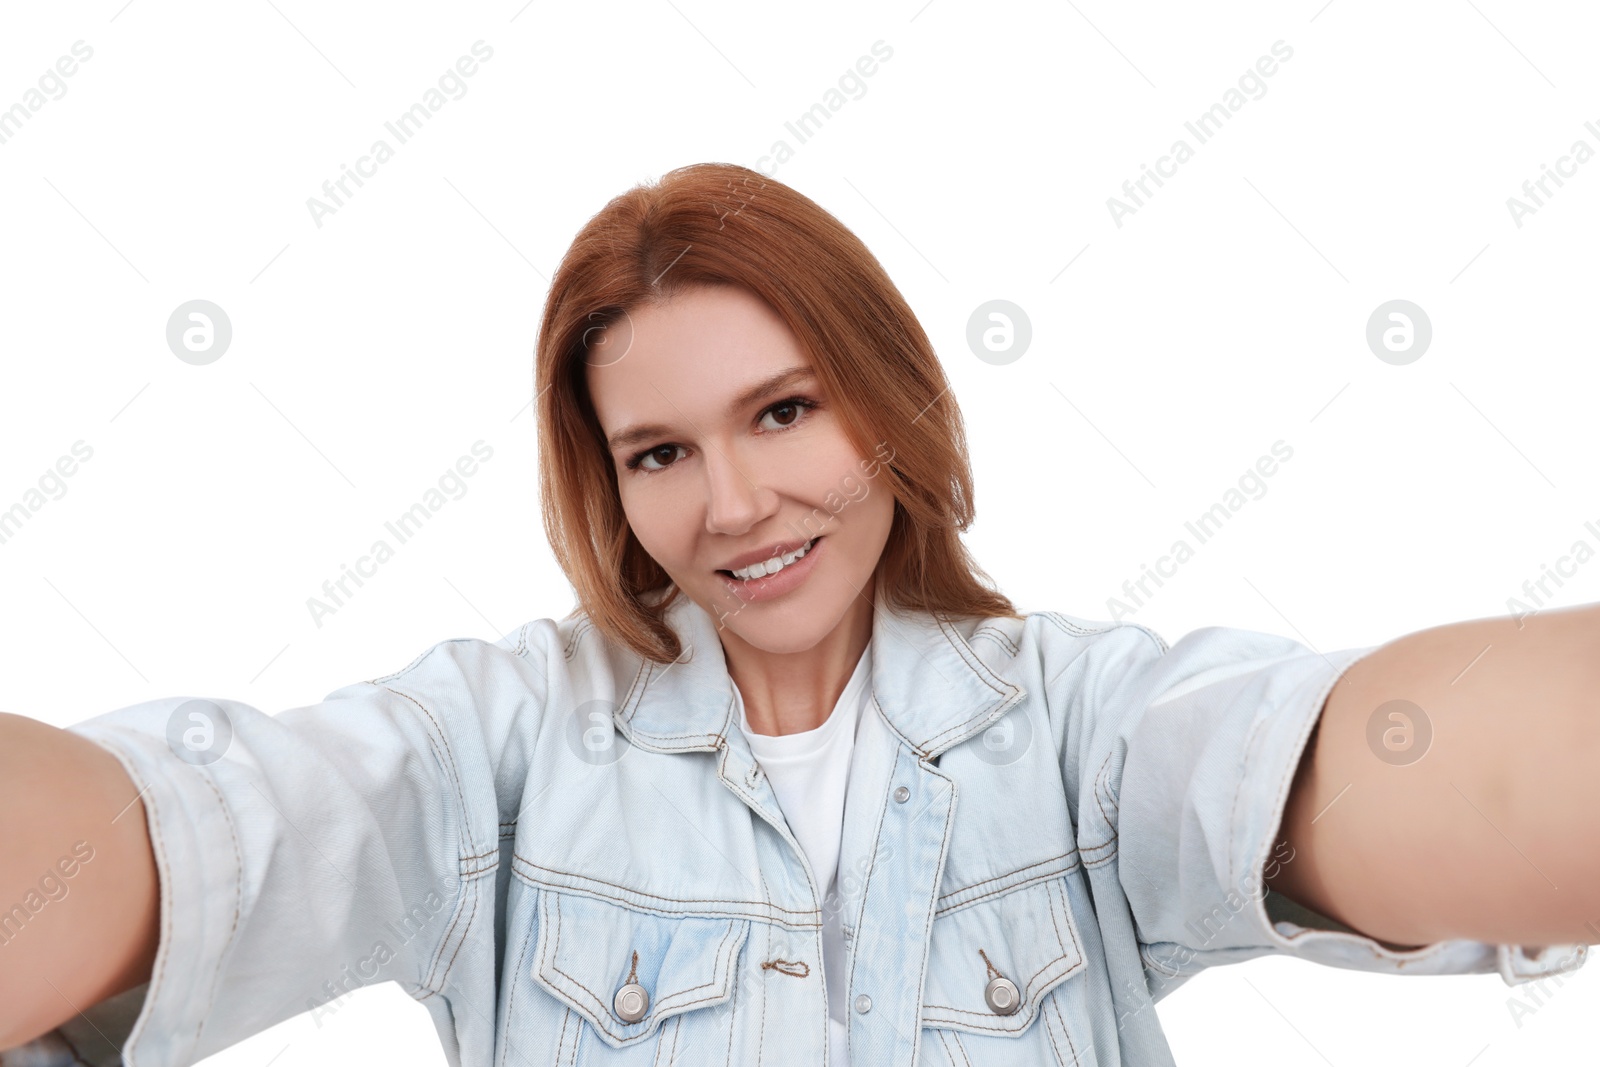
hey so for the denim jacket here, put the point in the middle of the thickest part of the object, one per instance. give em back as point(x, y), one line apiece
point(568, 855)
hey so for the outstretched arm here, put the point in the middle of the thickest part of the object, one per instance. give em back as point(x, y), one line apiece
point(79, 899)
point(1452, 787)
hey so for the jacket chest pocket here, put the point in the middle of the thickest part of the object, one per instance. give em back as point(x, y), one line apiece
point(636, 987)
point(1006, 972)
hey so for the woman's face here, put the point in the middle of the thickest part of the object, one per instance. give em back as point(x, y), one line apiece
point(727, 453)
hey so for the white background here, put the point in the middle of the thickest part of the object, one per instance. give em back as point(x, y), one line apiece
point(1229, 312)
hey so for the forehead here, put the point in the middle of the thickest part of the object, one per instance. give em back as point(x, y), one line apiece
point(698, 349)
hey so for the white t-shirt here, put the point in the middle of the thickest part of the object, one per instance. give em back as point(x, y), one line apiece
point(809, 772)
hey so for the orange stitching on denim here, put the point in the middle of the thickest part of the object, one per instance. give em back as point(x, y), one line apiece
point(999, 637)
point(1072, 927)
point(1049, 1031)
point(1288, 781)
point(561, 1042)
point(465, 934)
point(449, 761)
point(1032, 881)
point(1028, 994)
point(1003, 877)
point(948, 1037)
point(233, 834)
point(944, 850)
point(675, 999)
point(642, 893)
point(1100, 779)
point(675, 900)
point(511, 1004)
point(754, 915)
point(1028, 989)
point(556, 953)
point(579, 629)
point(662, 1045)
point(761, 1035)
point(733, 1007)
point(1057, 923)
point(451, 929)
point(403, 670)
point(982, 673)
point(877, 836)
point(628, 700)
point(672, 1000)
point(1044, 1021)
point(1065, 1031)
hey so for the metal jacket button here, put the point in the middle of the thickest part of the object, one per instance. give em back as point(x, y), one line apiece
point(631, 1002)
point(1002, 995)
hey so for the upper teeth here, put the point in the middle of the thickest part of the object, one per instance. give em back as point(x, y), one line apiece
point(773, 565)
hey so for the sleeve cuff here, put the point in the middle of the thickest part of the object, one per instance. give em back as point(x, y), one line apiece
point(1204, 794)
point(94, 1038)
point(198, 864)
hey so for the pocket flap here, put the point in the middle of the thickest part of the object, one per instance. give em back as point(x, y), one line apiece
point(1026, 935)
point(585, 954)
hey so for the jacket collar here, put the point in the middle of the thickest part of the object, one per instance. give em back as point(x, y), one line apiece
point(931, 686)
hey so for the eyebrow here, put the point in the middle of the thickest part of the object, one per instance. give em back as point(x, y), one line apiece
point(638, 434)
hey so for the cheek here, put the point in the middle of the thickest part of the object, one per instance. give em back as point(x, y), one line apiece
point(877, 507)
point(824, 463)
point(662, 521)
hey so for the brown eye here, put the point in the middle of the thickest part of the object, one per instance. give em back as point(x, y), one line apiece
point(655, 459)
point(786, 413)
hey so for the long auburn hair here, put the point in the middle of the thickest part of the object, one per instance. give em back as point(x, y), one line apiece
point(724, 224)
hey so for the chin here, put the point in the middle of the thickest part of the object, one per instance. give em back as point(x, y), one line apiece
point(778, 636)
point(784, 626)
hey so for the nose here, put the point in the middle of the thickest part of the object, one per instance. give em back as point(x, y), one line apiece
point(735, 498)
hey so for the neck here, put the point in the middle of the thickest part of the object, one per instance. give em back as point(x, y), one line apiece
point(791, 692)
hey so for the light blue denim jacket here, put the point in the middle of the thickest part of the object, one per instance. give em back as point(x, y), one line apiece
point(514, 831)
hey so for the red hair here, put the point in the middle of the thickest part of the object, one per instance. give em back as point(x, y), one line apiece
point(723, 224)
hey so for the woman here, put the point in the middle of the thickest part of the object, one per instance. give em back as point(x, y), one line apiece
point(794, 785)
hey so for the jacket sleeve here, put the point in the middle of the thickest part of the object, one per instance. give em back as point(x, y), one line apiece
point(1183, 759)
point(304, 854)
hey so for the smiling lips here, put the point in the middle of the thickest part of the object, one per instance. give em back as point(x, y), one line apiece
point(772, 565)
